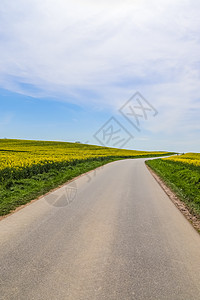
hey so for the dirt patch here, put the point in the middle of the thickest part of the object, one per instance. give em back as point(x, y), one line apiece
point(193, 219)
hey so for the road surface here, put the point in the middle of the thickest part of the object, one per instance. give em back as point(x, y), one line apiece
point(112, 234)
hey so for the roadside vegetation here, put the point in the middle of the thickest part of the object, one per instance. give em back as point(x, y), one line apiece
point(29, 169)
point(182, 174)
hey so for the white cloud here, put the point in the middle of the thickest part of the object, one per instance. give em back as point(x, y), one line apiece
point(110, 49)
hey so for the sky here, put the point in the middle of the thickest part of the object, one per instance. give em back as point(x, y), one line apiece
point(114, 73)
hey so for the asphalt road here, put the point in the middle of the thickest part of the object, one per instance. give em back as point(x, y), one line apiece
point(113, 234)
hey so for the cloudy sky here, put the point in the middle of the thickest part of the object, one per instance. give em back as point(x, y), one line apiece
point(67, 67)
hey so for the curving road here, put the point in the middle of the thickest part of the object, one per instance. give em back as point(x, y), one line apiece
point(112, 234)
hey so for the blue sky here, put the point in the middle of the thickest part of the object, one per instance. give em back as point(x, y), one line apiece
point(67, 67)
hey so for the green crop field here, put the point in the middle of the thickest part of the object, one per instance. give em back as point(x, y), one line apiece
point(31, 168)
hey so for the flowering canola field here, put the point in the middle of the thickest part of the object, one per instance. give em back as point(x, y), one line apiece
point(188, 158)
point(19, 155)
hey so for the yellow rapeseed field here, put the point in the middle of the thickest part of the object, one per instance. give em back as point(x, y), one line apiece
point(188, 158)
point(19, 154)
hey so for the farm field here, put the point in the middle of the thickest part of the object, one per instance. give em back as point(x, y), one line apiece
point(31, 168)
point(182, 174)
point(188, 158)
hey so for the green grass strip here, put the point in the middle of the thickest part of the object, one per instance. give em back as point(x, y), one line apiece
point(183, 179)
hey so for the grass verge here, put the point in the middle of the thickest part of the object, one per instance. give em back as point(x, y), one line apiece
point(183, 179)
point(17, 192)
